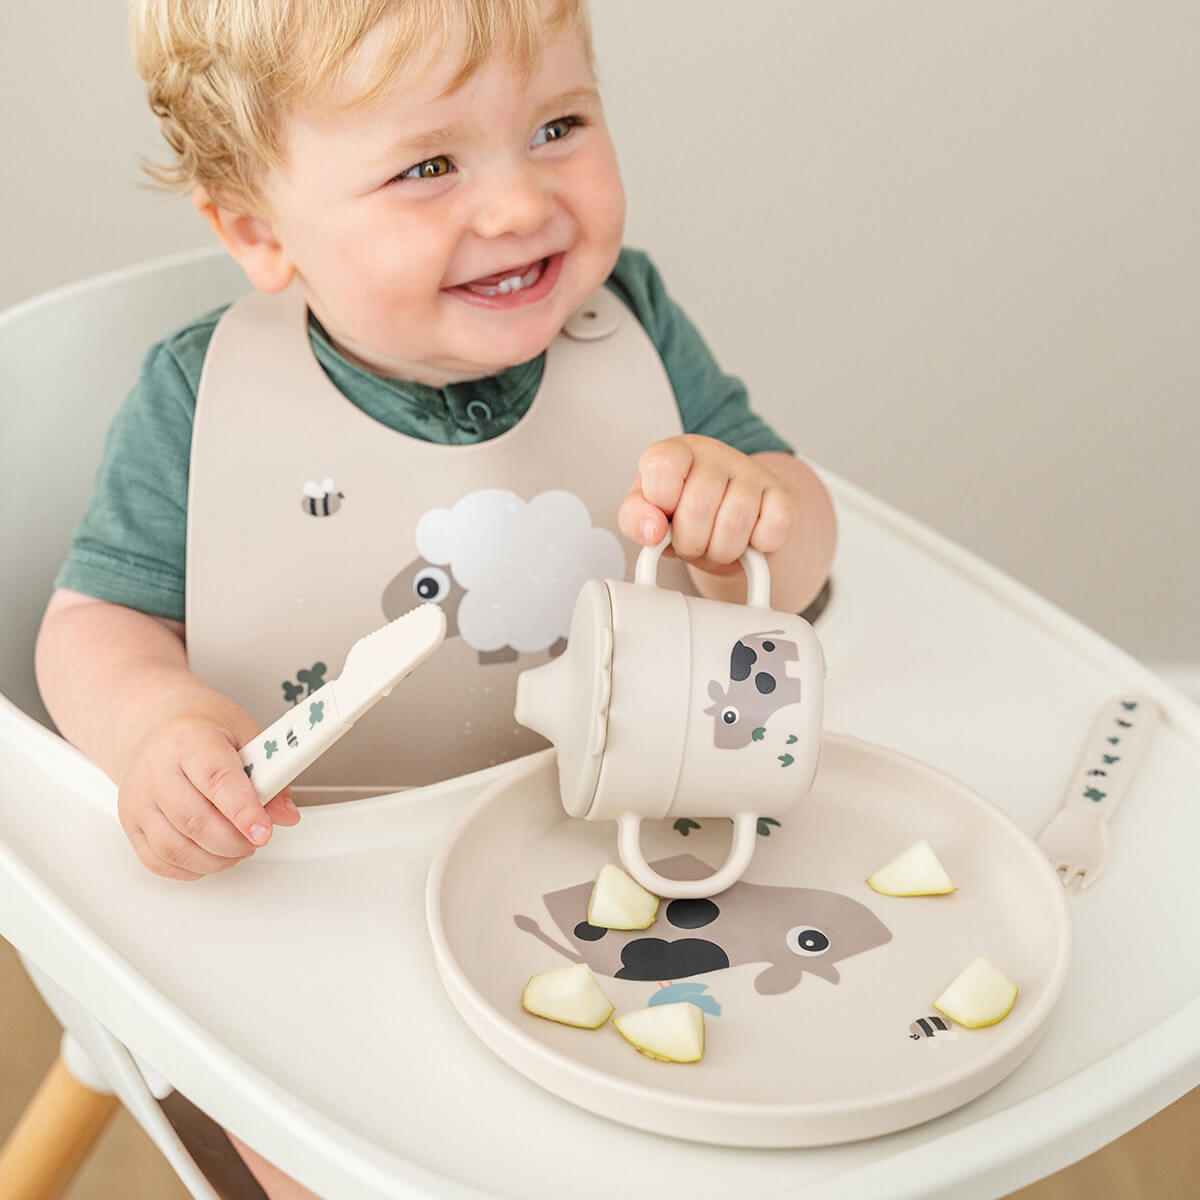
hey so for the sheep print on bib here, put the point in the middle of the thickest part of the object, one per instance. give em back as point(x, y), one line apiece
point(310, 524)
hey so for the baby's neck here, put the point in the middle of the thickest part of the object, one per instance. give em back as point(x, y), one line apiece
point(425, 374)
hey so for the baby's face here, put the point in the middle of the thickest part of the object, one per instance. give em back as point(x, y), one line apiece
point(441, 237)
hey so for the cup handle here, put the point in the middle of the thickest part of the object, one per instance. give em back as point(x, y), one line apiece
point(758, 574)
point(629, 846)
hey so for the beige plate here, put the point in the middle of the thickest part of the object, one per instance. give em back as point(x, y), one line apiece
point(814, 1030)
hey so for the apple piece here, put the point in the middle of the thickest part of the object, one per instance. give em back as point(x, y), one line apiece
point(619, 902)
point(913, 872)
point(981, 995)
point(665, 1032)
point(568, 995)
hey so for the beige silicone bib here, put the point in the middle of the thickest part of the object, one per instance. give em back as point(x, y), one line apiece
point(310, 524)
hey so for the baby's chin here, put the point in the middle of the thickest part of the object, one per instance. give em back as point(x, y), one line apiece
point(478, 347)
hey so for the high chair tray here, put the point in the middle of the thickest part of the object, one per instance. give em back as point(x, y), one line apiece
point(296, 998)
point(820, 1028)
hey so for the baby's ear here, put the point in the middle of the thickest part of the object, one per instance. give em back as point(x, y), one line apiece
point(250, 241)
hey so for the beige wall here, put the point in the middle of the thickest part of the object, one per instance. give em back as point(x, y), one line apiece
point(951, 244)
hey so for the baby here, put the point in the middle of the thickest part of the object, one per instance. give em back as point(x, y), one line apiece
point(447, 354)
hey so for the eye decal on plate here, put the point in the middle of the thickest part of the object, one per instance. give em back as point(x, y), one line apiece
point(806, 941)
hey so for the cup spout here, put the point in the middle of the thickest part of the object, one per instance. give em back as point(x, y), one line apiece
point(566, 700)
point(542, 695)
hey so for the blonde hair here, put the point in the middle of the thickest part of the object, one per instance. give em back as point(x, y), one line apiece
point(222, 74)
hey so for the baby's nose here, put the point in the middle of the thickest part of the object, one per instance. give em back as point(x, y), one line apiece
point(515, 203)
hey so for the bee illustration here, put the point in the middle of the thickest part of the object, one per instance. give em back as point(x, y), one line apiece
point(321, 499)
point(292, 739)
point(935, 1029)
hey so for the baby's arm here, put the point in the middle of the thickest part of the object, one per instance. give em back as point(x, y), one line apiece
point(719, 501)
point(116, 682)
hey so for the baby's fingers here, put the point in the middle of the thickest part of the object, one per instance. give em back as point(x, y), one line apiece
point(213, 767)
point(282, 808)
point(663, 470)
point(736, 520)
point(639, 520)
point(168, 852)
point(776, 519)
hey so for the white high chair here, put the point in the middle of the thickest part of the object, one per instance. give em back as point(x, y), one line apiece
point(66, 360)
point(296, 998)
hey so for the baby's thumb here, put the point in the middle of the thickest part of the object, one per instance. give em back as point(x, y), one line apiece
point(246, 734)
point(639, 520)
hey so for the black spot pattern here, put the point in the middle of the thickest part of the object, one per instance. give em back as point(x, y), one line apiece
point(741, 660)
point(653, 958)
point(692, 914)
point(764, 682)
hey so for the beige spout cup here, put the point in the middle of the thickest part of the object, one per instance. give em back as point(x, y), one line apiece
point(670, 706)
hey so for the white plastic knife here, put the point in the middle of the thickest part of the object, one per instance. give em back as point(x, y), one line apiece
point(374, 665)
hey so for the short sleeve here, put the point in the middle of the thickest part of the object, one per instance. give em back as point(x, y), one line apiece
point(710, 402)
point(130, 547)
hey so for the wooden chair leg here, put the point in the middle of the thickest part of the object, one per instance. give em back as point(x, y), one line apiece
point(53, 1136)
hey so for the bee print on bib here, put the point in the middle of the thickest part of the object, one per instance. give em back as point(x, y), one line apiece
point(321, 499)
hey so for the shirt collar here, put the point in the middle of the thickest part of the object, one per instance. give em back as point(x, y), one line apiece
point(477, 409)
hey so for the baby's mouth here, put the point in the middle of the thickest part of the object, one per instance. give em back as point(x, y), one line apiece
point(504, 282)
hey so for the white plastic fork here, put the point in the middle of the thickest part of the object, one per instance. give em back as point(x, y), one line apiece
point(1076, 839)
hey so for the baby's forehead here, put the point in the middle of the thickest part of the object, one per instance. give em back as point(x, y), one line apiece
point(437, 56)
point(400, 78)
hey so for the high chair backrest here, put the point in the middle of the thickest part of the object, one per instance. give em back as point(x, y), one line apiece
point(67, 359)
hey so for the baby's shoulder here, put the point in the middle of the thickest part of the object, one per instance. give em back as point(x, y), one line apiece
point(181, 353)
point(633, 275)
point(636, 280)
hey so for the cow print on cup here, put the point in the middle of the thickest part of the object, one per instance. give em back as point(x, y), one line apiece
point(758, 686)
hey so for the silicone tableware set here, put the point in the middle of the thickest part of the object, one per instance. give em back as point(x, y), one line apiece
point(673, 715)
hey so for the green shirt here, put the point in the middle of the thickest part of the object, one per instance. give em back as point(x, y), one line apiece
point(130, 546)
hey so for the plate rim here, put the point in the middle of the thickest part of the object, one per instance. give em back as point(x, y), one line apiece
point(462, 990)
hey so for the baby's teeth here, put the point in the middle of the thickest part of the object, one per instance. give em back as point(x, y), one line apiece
point(514, 283)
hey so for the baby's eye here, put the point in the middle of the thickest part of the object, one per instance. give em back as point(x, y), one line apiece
point(431, 168)
point(553, 130)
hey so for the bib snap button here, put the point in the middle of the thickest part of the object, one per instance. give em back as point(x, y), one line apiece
point(477, 410)
point(596, 319)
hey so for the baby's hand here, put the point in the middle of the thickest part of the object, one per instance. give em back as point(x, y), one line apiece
point(718, 500)
point(184, 800)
